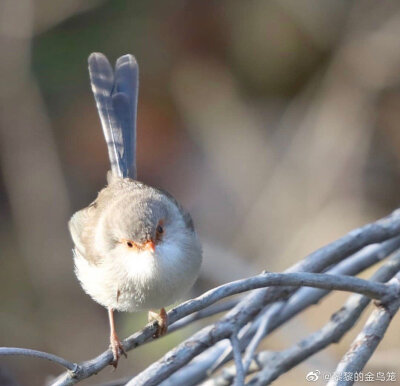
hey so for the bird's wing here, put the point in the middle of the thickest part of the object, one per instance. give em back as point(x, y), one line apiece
point(78, 226)
point(116, 100)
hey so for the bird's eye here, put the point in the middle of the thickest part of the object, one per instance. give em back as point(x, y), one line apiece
point(159, 229)
point(129, 244)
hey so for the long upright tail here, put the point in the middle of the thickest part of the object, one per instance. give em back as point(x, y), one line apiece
point(116, 98)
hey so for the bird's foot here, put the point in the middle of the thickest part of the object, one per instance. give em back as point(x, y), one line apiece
point(162, 322)
point(117, 349)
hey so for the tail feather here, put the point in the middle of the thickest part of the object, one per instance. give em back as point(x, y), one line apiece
point(122, 110)
point(125, 102)
point(116, 100)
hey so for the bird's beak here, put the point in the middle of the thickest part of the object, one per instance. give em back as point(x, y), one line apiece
point(150, 246)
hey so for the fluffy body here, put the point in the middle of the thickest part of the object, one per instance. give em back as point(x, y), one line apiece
point(129, 279)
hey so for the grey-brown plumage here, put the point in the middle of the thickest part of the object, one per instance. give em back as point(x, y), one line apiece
point(135, 247)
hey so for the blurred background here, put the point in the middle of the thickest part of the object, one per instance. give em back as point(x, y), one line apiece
point(275, 123)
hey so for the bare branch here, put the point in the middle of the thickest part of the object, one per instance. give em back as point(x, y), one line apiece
point(245, 333)
point(333, 331)
point(367, 340)
point(272, 364)
point(197, 369)
point(237, 355)
point(262, 329)
point(351, 266)
point(9, 351)
point(318, 280)
point(207, 312)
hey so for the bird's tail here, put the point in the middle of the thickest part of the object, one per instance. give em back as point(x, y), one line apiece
point(116, 98)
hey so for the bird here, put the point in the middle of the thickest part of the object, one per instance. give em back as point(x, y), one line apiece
point(135, 247)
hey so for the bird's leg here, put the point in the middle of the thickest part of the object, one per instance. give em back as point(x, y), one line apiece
point(162, 322)
point(115, 343)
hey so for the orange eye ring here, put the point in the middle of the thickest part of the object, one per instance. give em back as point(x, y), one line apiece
point(128, 243)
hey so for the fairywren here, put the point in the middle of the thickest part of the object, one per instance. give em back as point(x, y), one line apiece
point(135, 246)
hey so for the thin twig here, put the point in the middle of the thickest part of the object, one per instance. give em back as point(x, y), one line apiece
point(225, 355)
point(205, 313)
point(237, 356)
point(261, 332)
point(11, 351)
point(246, 335)
point(295, 279)
point(366, 341)
point(333, 331)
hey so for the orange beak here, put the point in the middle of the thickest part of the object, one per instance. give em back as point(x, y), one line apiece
point(150, 246)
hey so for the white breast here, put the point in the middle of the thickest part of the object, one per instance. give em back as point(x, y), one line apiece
point(132, 281)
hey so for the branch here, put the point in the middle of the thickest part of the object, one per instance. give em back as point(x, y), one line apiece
point(237, 355)
point(351, 266)
point(367, 340)
point(11, 351)
point(244, 336)
point(263, 328)
point(207, 312)
point(272, 365)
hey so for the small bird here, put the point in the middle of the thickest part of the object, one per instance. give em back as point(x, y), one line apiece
point(135, 247)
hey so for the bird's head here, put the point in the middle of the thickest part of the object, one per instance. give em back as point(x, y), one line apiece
point(141, 221)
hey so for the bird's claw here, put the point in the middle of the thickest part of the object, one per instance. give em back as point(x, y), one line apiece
point(161, 320)
point(117, 349)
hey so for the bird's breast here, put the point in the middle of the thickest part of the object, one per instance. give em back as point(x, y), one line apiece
point(141, 280)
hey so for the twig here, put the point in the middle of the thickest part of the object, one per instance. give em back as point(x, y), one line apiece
point(261, 332)
point(207, 312)
point(318, 280)
point(351, 266)
point(247, 335)
point(333, 331)
point(237, 356)
point(244, 335)
point(366, 341)
point(8, 351)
